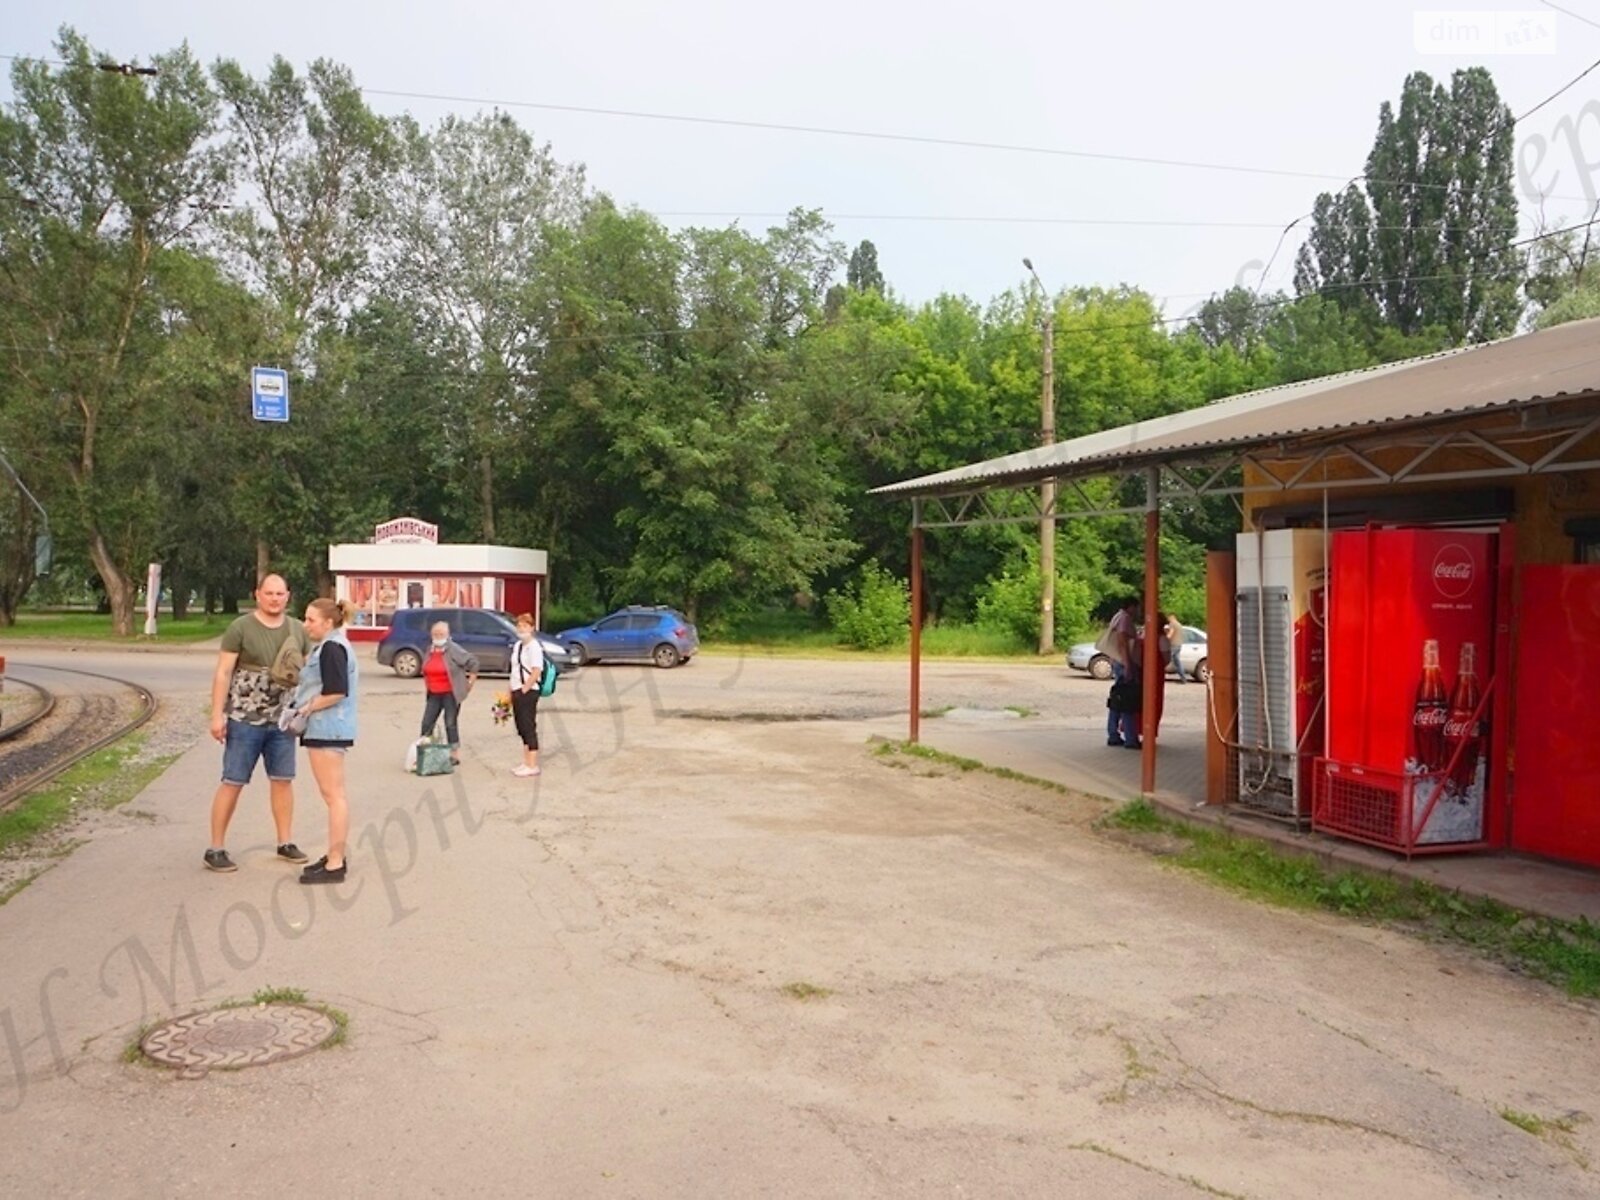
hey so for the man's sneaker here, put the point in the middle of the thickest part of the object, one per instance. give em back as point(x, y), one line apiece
point(292, 853)
point(218, 860)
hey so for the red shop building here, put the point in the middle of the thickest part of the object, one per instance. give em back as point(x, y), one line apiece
point(405, 566)
point(1404, 638)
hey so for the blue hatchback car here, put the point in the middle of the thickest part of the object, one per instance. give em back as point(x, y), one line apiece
point(642, 633)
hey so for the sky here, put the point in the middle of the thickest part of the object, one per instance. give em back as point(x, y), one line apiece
point(1289, 91)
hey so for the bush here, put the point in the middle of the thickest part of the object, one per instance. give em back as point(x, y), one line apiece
point(872, 612)
point(1009, 603)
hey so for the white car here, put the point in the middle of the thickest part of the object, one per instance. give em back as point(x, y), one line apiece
point(1192, 654)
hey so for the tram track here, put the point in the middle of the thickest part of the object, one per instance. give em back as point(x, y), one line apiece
point(47, 703)
point(73, 725)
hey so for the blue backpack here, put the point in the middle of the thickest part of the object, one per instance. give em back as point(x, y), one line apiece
point(547, 678)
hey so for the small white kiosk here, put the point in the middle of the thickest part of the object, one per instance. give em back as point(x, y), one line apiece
point(404, 566)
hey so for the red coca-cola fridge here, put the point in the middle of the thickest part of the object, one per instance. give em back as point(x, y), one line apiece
point(1411, 634)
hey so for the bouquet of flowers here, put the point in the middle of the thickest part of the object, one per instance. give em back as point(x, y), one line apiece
point(502, 707)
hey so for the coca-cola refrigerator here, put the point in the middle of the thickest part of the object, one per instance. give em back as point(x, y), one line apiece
point(1411, 634)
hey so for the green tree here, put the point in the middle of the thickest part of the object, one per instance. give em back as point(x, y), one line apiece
point(1429, 240)
point(110, 176)
point(312, 161)
point(470, 214)
point(862, 273)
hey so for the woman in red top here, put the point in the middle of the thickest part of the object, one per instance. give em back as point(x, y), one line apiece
point(448, 673)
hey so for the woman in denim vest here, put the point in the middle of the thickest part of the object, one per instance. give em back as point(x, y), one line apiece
point(326, 702)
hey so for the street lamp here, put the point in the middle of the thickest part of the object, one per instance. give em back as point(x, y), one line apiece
point(1047, 491)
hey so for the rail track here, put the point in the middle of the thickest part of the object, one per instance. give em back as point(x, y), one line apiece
point(72, 725)
point(47, 703)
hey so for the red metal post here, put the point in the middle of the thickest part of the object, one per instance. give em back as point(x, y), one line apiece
point(916, 620)
point(1153, 666)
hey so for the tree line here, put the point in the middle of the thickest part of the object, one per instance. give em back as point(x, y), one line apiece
point(477, 335)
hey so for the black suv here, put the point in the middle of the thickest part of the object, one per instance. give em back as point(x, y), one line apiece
point(486, 633)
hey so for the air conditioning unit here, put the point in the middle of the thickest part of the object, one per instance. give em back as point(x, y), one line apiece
point(1280, 608)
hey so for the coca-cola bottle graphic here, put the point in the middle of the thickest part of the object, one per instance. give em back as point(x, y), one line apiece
point(1432, 710)
point(1463, 732)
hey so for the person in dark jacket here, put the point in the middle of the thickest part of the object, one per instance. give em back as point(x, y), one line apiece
point(448, 672)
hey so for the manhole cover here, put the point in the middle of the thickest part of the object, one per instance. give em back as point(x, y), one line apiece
point(237, 1037)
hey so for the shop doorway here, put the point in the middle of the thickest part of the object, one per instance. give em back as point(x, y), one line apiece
point(1556, 803)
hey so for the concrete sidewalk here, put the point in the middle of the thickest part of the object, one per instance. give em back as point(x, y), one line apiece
point(1069, 755)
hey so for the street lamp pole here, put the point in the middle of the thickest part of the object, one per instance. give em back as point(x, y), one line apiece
point(1047, 490)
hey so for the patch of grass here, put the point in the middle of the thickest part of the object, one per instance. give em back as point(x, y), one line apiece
point(805, 991)
point(1022, 710)
point(1139, 815)
point(938, 712)
point(105, 779)
point(797, 634)
point(1527, 1122)
point(281, 995)
point(971, 641)
point(133, 1052)
point(1565, 953)
point(96, 627)
point(341, 1024)
point(890, 751)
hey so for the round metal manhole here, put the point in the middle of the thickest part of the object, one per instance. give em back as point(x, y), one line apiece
point(232, 1038)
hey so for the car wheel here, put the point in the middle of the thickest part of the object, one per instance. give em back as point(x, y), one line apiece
point(1100, 667)
point(665, 655)
point(1202, 672)
point(407, 664)
point(579, 656)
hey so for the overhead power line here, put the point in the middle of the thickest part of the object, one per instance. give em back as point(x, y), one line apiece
point(857, 134)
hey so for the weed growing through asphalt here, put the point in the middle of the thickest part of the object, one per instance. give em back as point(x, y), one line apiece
point(1566, 953)
point(133, 1052)
point(893, 752)
point(805, 991)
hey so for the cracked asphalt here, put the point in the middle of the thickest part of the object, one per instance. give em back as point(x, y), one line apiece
point(745, 956)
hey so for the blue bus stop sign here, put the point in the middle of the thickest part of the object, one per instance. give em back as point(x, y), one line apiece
point(269, 394)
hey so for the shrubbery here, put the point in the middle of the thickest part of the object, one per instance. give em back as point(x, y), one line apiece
point(1009, 603)
point(872, 611)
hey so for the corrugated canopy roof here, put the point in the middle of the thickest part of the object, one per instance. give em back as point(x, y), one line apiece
point(1536, 367)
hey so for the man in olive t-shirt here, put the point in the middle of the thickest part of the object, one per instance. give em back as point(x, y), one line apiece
point(257, 669)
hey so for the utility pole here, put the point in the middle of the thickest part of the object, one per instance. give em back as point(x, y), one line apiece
point(1047, 490)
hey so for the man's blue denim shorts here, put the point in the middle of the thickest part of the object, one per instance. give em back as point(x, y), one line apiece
point(243, 744)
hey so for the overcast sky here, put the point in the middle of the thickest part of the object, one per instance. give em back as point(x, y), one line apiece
point(1251, 83)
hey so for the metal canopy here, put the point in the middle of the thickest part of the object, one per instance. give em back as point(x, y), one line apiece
point(1521, 406)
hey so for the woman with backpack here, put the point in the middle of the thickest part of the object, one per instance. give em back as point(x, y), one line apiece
point(527, 674)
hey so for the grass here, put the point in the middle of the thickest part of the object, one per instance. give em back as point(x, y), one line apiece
point(105, 779)
point(96, 627)
point(1556, 1130)
point(1532, 1123)
point(805, 991)
point(893, 753)
point(1565, 953)
point(798, 634)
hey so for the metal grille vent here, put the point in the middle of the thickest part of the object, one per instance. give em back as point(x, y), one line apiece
point(1267, 759)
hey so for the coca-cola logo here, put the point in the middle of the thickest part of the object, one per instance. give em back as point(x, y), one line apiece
point(1456, 730)
point(1452, 571)
point(1428, 717)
